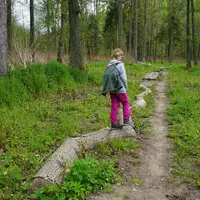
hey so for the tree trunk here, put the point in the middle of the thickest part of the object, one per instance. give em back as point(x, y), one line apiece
point(97, 29)
point(55, 37)
point(151, 44)
point(48, 30)
point(198, 53)
point(130, 30)
point(193, 34)
point(76, 54)
point(135, 42)
point(9, 27)
point(54, 169)
point(32, 30)
point(120, 26)
point(170, 31)
point(3, 38)
point(188, 66)
point(61, 47)
point(145, 32)
point(155, 45)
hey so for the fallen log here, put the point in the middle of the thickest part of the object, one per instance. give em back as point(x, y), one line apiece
point(151, 76)
point(54, 169)
point(139, 99)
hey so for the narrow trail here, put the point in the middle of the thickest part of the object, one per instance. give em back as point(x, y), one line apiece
point(155, 155)
point(155, 161)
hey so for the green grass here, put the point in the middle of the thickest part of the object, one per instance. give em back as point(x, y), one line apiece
point(42, 105)
point(184, 117)
point(117, 146)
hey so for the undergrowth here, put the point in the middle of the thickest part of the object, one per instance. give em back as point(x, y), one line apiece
point(93, 173)
point(42, 105)
point(86, 175)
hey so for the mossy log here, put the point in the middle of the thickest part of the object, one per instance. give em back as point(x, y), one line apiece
point(54, 169)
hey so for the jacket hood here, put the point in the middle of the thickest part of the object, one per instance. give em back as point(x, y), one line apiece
point(112, 62)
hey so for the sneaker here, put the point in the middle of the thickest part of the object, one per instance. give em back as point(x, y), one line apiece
point(116, 126)
point(129, 122)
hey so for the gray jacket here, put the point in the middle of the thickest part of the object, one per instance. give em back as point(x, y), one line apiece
point(122, 71)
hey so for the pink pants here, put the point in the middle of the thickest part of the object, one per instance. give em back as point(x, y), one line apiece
point(116, 99)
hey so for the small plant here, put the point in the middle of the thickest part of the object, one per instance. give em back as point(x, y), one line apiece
point(136, 181)
point(86, 176)
point(126, 196)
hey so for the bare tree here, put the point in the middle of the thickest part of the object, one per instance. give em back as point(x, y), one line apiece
point(3, 38)
point(188, 66)
point(76, 55)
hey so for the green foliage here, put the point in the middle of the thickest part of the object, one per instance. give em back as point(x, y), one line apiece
point(86, 176)
point(37, 79)
point(38, 119)
point(110, 27)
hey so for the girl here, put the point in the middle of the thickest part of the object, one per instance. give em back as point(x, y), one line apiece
point(119, 96)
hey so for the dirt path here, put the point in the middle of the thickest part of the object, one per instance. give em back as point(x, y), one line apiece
point(155, 155)
point(155, 160)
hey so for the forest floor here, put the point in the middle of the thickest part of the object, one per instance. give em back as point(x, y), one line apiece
point(150, 178)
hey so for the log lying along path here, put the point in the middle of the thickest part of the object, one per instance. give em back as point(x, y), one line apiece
point(54, 168)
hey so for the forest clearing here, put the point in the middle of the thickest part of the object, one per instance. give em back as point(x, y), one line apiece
point(52, 66)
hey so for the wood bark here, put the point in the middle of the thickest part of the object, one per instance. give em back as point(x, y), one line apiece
point(32, 30)
point(64, 156)
point(193, 33)
point(135, 40)
point(76, 55)
point(188, 66)
point(120, 25)
point(3, 38)
point(9, 26)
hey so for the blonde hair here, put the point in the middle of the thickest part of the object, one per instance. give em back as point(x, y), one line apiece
point(117, 52)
